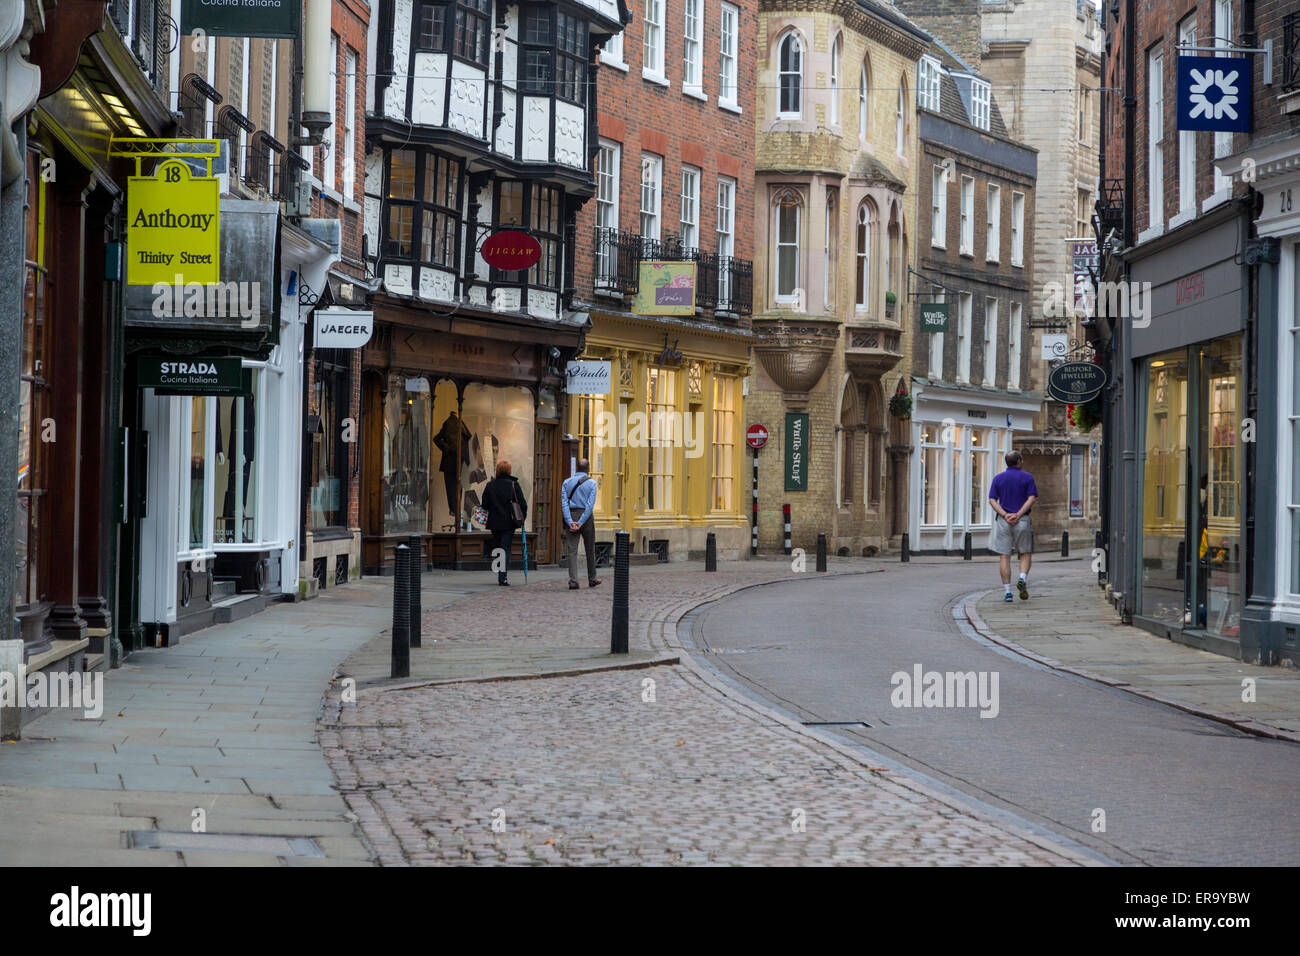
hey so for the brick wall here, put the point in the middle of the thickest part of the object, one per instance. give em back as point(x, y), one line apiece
point(645, 116)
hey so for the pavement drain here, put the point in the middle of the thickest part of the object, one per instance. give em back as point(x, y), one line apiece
point(836, 723)
point(225, 842)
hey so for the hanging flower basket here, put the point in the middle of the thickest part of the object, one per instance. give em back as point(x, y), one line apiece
point(900, 404)
point(1085, 417)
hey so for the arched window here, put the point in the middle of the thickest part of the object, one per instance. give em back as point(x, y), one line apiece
point(862, 262)
point(788, 213)
point(790, 69)
point(835, 81)
point(901, 119)
point(850, 450)
point(862, 103)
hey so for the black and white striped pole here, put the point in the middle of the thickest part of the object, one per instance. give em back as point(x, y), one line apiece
point(785, 510)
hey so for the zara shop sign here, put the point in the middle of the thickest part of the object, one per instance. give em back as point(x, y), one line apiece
point(343, 328)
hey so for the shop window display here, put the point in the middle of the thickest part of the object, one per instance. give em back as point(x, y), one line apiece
point(406, 455)
point(492, 423)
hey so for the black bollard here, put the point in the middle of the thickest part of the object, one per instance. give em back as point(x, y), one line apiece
point(711, 552)
point(416, 568)
point(618, 626)
point(821, 551)
point(907, 547)
point(401, 613)
point(965, 548)
point(1065, 544)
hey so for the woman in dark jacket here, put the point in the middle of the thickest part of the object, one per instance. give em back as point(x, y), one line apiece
point(497, 496)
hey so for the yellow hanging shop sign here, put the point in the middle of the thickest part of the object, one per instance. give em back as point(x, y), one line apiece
point(173, 227)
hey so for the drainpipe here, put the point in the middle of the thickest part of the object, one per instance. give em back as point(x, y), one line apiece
point(1128, 561)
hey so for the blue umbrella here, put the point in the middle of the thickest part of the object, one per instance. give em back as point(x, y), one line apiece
point(524, 534)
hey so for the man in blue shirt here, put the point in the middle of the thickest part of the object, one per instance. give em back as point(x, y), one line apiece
point(1012, 495)
point(578, 502)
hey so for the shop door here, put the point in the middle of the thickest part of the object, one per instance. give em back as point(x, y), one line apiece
point(543, 503)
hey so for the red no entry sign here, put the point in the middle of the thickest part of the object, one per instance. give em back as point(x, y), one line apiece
point(756, 435)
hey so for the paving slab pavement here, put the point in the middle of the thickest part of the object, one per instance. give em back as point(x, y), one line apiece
point(1067, 624)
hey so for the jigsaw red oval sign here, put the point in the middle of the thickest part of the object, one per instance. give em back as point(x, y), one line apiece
point(510, 251)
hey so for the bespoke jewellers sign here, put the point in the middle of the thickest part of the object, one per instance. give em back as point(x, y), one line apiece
point(1076, 382)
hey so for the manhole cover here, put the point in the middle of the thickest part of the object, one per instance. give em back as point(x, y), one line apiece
point(224, 842)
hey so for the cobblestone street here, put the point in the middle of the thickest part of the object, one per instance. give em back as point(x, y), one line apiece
point(585, 769)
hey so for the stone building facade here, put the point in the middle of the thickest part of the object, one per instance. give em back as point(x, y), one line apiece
point(835, 225)
point(971, 402)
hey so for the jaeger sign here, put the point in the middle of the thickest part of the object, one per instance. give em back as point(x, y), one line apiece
point(343, 328)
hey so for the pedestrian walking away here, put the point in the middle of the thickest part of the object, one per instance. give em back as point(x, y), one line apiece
point(503, 500)
point(1012, 495)
point(578, 502)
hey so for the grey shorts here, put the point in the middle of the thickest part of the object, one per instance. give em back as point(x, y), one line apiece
point(1006, 538)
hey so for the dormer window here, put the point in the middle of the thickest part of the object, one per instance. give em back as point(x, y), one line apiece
point(979, 103)
point(928, 72)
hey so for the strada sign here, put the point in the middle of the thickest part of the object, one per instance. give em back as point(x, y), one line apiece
point(241, 18)
point(192, 376)
point(173, 227)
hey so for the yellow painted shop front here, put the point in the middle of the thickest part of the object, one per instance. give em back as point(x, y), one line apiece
point(667, 443)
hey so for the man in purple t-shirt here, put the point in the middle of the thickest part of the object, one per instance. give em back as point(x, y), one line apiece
point(1012, 494)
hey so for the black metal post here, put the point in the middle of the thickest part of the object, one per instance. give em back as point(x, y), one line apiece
point(907, 548)
point(401, 664)
point(753, 521)
point(821, 551)
point(416, 568)
point(711, 552)
point(618, 626)
point(965, 547)
point(1065, 544)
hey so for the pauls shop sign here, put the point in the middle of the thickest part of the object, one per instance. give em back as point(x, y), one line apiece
point(511, 251)
point(343, 328)
point(587, 378)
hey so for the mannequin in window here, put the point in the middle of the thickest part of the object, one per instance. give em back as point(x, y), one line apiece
point(452, 454)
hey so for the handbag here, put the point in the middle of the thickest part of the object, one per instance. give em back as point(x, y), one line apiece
point(516, 511)
point(480, 516)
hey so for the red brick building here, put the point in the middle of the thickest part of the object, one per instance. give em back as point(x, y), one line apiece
point(674, 174)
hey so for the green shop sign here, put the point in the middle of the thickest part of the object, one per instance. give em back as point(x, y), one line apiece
point(796, 451)
point(242, 18)
point(934, 317)
point(169, 375)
